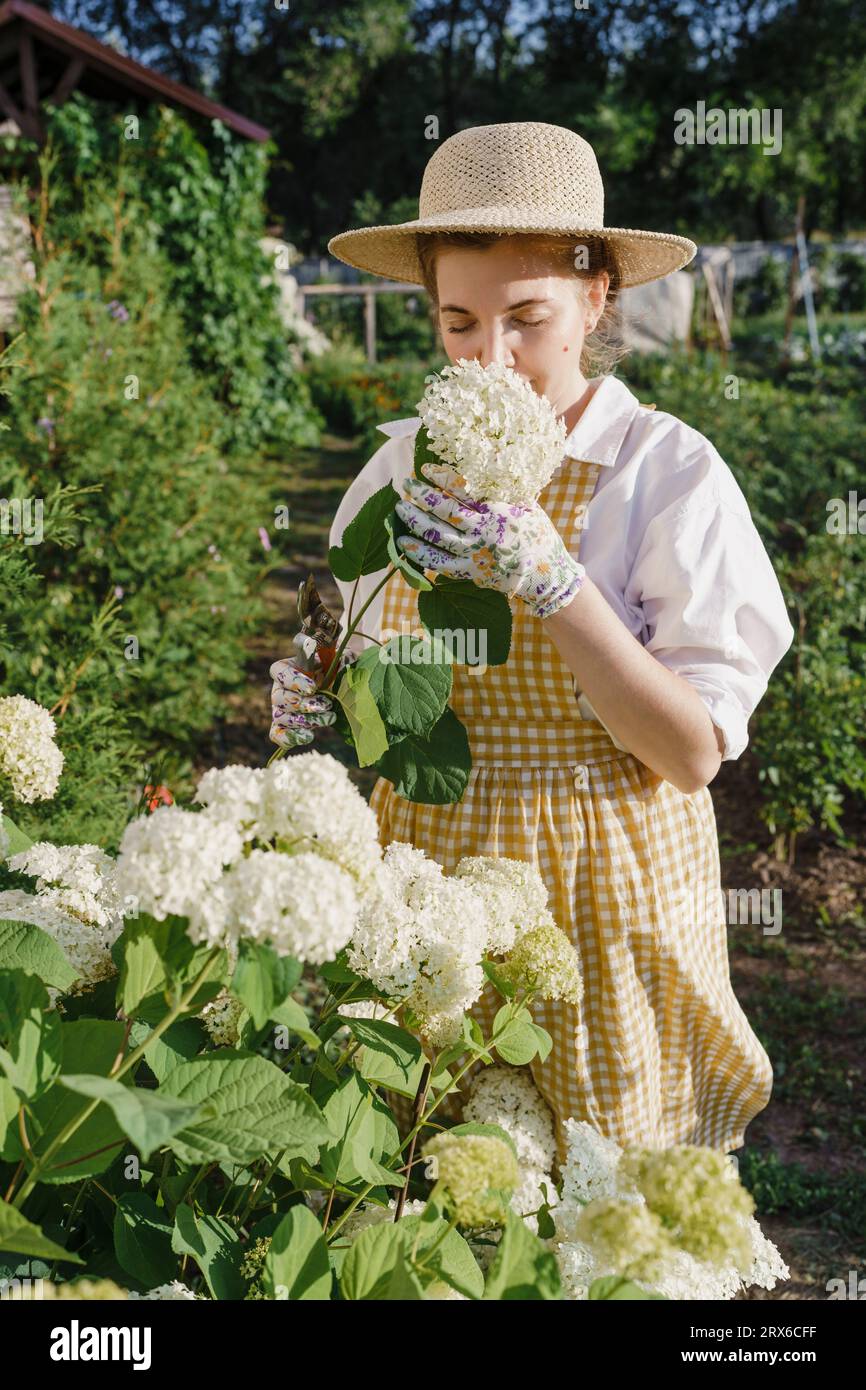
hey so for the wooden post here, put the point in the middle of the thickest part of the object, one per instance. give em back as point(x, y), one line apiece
point(370, 324)
point(792, 280)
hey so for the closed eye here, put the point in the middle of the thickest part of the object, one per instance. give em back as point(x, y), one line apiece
point(523, 323)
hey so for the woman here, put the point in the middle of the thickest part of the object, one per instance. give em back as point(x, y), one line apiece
point(633, 669)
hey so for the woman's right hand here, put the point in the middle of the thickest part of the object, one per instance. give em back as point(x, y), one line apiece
point(298, 708)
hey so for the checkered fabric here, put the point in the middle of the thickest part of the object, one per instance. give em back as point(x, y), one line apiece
point(660, 1052)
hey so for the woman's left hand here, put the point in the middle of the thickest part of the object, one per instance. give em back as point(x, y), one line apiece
point(498, 545)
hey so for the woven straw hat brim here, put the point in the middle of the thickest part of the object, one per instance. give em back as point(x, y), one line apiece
point(390, 251)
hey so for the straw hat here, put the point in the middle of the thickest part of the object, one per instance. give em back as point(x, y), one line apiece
point(520, 176)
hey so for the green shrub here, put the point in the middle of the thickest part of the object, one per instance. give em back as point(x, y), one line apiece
point(140, 624)
point(203, 207)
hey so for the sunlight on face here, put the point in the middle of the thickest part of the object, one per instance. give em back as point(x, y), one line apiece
point(511, 303)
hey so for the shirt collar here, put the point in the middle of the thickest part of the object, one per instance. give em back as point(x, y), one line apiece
point(596, 438)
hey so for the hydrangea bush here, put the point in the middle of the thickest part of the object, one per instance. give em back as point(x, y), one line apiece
point(179, 1121)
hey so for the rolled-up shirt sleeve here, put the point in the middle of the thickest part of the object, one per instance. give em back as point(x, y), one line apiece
point(713, 609)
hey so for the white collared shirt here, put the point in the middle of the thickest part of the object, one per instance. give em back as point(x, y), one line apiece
point(668, 539)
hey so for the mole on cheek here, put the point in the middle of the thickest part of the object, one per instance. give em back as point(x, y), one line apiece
point(565, 349)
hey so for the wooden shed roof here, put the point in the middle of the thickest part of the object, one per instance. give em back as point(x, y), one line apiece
point(44, 60)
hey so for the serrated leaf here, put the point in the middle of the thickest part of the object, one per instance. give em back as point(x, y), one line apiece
point(459, 605)
point(297, 1264)
point(148, 1118)
point(251, 1109)
point(263, 980)
point(411, 688)
point(216, 1248)
point(18, 842)
point(357, 702)
point(26, 947)
point(142, 1240)
point(431, 771)
point(30, 1045)
point(363, 548)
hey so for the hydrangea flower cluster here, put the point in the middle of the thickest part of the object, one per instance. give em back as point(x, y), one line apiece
point(281, 855)
point(477, 1174)
point(508, 1097)
point(29, 758)
point(487, 422)
point(643, 1213)
point(76, 902)
point(421, 934)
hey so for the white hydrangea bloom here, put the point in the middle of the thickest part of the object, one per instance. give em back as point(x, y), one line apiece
point(78, 879)
point(310, 798)
point(175, 1291)
point(421, 937)
point(234, 794)
point(508, 1096)
point(76, 902)
point(170, 860)
point(29, 757)
point(300, 904)
point(591, 1173)
point(488, 423)
point(515, 893)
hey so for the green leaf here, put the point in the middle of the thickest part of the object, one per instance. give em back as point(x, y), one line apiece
point(363, 548)
point(431, 771)
point(263, 980)
point(177, 1044)
point(411, 572)
point(29, 1034)
point(365, 721)
point(507, 988)
point(376, 1253)
point(423, 453)
point(26, 947)
point(142, 1240)
point(18, 841)
point(249, 1108)
point(23, 1238)
point(460, 605)
point(297, 1264)
point(523, 1268)
point(391, 1057)
point(411, 695)
point(518, 1045)
point(366, 1132)
point(146, 1117)
point(216, 1249)
point(89, 1046)
point(158, 961)
point(291, 1014)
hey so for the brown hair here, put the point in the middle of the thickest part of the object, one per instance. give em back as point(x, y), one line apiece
point(605, 346)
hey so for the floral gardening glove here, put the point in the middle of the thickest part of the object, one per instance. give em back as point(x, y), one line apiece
point(498, 545)
point(298, 708)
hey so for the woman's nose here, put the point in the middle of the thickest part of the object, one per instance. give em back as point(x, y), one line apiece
point(495, 349)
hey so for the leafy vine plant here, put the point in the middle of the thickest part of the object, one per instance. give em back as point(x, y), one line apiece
point(486, 431)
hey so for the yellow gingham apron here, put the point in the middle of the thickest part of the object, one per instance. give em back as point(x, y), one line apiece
point(660, 1052)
